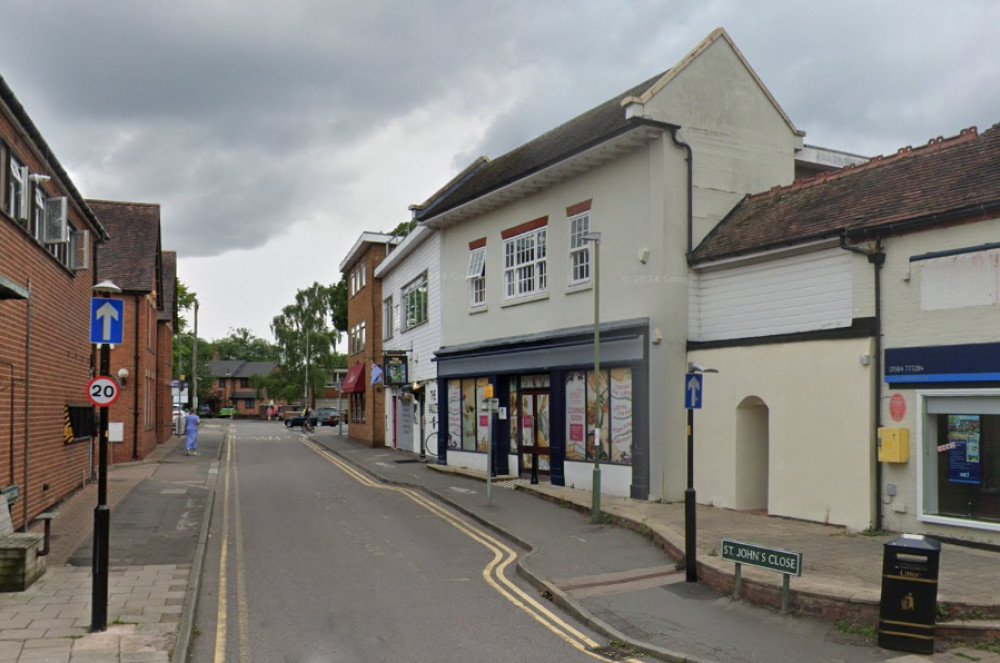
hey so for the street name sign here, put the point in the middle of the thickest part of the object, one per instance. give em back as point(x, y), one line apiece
point(106, 320)
point(773, 559)
point(692, 391)
point(102, 391)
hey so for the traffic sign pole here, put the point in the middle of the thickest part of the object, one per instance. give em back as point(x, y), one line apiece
point(102, 516)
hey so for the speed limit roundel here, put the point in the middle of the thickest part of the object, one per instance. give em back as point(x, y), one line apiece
point(102, 391)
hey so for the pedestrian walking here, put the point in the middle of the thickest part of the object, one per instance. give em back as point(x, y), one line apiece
point(192, 421)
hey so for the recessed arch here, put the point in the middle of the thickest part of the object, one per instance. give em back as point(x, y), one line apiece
point(752, 454)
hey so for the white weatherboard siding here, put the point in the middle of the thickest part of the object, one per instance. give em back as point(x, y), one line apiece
point(799, 293)
point(421, 341)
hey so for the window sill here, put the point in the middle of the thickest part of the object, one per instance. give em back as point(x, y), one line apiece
point(412, 327)
point(580, 287)
point(524, 300)
point(473, 310)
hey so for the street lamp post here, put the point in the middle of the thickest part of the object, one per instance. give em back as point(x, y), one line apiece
point(595, 507)
point(693, 399)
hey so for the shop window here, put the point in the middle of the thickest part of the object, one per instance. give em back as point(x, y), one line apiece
point(615, 388)
point(464, 430)
point(960, 436)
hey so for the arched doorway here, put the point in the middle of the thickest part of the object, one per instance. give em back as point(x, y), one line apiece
point(751, 454)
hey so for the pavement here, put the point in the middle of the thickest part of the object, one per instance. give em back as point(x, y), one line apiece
point(618, 576)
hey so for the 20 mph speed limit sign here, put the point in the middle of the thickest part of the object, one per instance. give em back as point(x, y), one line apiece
point(102, 391)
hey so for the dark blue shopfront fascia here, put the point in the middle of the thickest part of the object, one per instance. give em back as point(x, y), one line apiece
point(623, 343)
point(973, 362)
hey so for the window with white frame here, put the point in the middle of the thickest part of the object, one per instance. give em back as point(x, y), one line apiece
point(415, 302)
point(476, 276)
point(17, 193)
point(579, 250)
point(358, 277)
point(357, 340)
point(525, 264)
point(387, 322)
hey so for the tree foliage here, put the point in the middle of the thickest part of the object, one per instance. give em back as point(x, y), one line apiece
point(242, 344)
point(306, 335)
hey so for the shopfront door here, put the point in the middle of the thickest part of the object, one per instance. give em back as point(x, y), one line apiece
point(534, 429)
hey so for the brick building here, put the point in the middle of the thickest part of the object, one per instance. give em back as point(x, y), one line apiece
point(132, 260)
point(365, 406)
point(48, 235)
point(233, 383)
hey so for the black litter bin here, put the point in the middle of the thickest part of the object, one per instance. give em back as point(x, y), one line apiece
point(909, 594)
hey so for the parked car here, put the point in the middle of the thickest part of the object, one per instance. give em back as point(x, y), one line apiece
point(204, 411)
point(293, 419)
point(328, 416)
point(227, 412)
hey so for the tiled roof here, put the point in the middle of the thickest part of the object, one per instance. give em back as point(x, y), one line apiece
point(169, 311)
point(131, 258)
point(237, 368)
point(582, 132)
point(938, 182)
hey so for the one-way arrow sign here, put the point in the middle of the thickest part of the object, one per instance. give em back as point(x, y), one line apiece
point(692, 391)
point(106, 320)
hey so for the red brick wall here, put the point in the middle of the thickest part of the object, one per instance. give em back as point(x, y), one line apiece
point(164, 396)
point(45, 358)
point(138, 354)
point(367, 305)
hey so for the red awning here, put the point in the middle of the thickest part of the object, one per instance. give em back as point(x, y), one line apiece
point(355, 380)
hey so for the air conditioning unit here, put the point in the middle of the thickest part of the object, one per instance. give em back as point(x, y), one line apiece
point(56, 230)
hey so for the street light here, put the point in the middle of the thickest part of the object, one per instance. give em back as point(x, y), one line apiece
point(693, 400)
point(595, 507)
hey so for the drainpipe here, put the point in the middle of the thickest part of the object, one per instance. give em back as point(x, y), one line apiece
point(27, 406)
point(876, 258)
point(673, 129)
point(135, 381)
point(11, 387)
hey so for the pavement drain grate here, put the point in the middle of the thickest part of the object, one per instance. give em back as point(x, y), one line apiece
point(612, 653)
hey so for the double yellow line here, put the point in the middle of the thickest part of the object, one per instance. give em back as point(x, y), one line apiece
point(222, 617)
point(494, 573)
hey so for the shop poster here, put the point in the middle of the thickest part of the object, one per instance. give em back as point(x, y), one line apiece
point(963, 453)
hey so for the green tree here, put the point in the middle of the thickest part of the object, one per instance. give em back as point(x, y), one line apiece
point(242, 344)
point(404, 228)
point(306, 336)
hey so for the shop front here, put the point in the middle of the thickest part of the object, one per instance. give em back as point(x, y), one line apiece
point(956, 423)
point(549, 404)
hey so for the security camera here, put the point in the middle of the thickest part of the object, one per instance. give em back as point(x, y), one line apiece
point(38, 178)
point(695, 367)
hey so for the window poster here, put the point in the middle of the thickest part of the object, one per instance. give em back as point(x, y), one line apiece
point(621, 415)
point(963, 454)
point(482, 432)
point(592, 413)
point(454, 413)
point(576, 415)
point(469, 423)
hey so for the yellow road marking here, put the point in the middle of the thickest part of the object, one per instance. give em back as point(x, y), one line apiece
point(494, 573)
point(221, 614)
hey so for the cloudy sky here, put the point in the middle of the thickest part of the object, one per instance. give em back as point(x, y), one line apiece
point(273, 133)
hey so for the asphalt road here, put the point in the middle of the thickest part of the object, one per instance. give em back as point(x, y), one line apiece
point(311, 561)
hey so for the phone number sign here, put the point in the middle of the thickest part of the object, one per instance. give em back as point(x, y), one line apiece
point(103, 391)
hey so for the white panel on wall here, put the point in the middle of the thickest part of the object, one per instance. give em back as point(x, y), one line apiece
point(799, 293)
point(959, 281)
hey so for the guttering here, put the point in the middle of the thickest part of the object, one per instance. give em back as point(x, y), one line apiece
point(877, 259)
point(673, 129)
